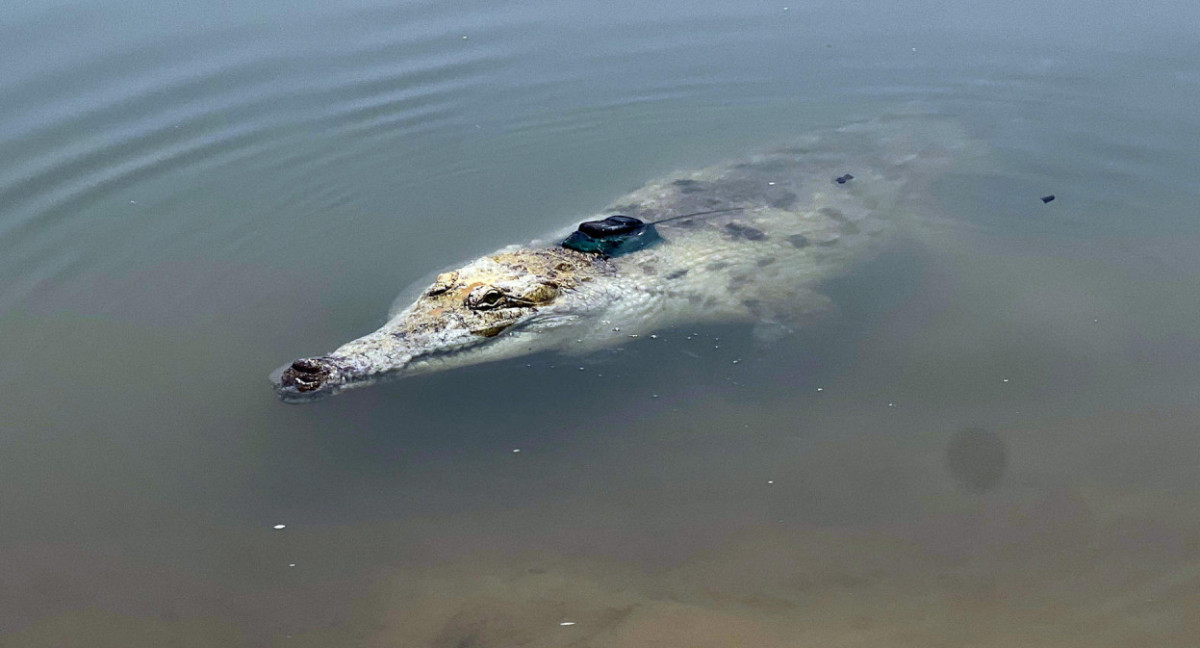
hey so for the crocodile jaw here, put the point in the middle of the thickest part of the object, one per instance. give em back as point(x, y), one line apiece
point(503, 306)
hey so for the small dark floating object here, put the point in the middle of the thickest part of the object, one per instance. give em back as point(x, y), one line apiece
point(611, 226)
point(613, 236)
point(843, 179)
point(798, 240)
point(976, 459)
point(1046, 199)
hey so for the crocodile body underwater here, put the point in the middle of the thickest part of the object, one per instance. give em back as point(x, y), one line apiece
point(749, 240)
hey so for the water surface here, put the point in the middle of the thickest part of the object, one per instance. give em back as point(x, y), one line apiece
point(991, 442)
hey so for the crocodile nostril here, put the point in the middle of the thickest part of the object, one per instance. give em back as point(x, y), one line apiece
point(307, 366)
point(307, 374)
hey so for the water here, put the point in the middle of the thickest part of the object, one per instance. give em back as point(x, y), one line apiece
point(991, 442)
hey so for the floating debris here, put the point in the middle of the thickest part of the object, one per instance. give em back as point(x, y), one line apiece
point(843, 179)
point(1046, 199)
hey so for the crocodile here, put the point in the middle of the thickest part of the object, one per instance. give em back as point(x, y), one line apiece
point(749, 240)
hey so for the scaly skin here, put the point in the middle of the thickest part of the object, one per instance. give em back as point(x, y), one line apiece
point(794, 227)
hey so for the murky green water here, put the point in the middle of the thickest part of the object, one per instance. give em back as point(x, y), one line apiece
point(991, 442)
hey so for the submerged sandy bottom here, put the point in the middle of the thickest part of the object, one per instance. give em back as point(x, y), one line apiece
point(1037, 561)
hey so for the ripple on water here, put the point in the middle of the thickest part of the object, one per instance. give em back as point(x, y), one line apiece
point(89, 139)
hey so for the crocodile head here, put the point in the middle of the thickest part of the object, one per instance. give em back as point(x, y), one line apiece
point(496, 307)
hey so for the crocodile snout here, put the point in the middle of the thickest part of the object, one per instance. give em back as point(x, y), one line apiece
point(306, 375)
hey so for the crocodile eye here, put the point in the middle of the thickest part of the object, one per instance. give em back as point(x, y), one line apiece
point(485, 298)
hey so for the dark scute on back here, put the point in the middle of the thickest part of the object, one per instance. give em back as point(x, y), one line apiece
point(738, 230)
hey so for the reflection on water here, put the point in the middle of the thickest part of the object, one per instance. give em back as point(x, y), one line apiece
point(991, 441)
